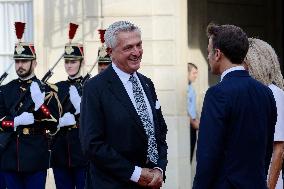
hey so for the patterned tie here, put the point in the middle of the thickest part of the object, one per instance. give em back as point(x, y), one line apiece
point(145, 118)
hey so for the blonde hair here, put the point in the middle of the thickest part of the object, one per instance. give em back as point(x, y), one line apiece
point(263, 63)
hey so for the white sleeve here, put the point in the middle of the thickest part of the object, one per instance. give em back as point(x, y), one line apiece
point(279, 127)
point(136, 174)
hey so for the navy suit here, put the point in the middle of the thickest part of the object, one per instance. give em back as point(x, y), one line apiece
point(112, 133)
point(236, 134)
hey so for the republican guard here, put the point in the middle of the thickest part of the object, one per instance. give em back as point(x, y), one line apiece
point(104, 59)
point(29, 111)
point(68, 161)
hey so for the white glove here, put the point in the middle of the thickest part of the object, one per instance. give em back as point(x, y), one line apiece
point(24, 119)
point(37, 95)
point(66, 120)
point(75, 98)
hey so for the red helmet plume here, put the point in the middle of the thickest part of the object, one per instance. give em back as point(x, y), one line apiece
point(102, 33)
point(72, 30)
point(20, 28)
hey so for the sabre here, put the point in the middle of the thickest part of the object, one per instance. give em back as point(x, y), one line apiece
point(5, 74)
point(50, 71)
point(88, 75)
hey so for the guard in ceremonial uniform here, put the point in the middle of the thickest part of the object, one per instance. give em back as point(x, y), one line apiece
point(104, 59)
point(29, 111)
point(68, 162)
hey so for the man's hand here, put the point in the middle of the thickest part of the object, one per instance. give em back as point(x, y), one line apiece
point(66, 120)
point(146, 177)
point(157, 180)
point(195, 123)
point(25, 118)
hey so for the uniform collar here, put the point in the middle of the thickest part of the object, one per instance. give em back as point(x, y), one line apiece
point(28, 79)
point(75, 80)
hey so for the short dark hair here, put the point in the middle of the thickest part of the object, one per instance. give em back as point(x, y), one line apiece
point(190, 66)
point(231, 40)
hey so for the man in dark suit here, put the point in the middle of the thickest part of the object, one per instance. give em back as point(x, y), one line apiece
point(123, 131)
point(237, 121)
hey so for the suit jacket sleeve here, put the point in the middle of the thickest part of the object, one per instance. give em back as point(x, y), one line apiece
point(92, 135)
point(211, 138)
point(161, 133)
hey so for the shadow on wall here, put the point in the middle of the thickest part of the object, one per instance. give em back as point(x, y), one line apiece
point(59, 13)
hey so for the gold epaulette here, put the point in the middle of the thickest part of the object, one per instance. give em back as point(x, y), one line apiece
point(52, 86)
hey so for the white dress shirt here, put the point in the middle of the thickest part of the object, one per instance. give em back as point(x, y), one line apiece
point(124, 77)
point(230, 70)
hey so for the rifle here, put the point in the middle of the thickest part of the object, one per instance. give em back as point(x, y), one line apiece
point(88, 75)
point(50, 71)
point(5, 74)
point(29, 103)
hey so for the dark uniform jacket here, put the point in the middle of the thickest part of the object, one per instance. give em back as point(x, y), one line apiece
point(28, 149)
point(66, 148)
point(112, 133)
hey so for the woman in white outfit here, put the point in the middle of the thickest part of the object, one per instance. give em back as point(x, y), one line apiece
point(263, 65)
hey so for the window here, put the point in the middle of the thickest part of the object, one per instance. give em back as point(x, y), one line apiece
point(11, 12)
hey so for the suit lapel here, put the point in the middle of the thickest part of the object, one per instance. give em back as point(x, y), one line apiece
point(117, 88)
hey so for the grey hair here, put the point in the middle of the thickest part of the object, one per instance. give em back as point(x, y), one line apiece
point(263, 63)
point(115, 28)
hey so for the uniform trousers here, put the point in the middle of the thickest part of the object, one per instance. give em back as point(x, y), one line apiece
point(16, 180)
point(193, 137)
point(2, 181)
point(69, 178)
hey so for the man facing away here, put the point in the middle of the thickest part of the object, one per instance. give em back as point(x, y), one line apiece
point(236, 130)
point(123, 131)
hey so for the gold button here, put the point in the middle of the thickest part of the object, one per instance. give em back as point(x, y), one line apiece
point(26, 131)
